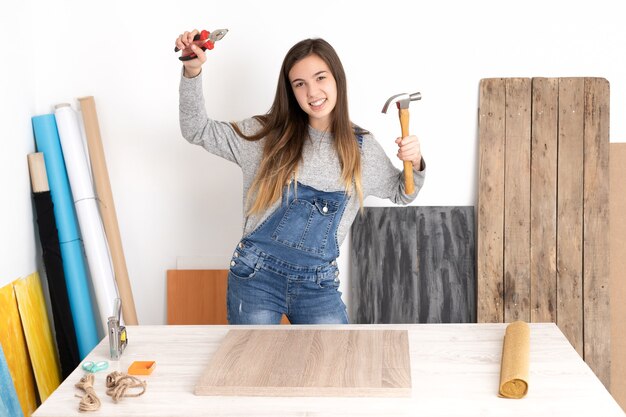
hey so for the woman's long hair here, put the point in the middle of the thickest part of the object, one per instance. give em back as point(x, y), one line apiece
point(285, 128)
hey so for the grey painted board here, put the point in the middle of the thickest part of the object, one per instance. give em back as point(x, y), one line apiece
point(413, 265)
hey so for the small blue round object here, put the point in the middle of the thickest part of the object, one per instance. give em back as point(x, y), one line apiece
point(93, 367)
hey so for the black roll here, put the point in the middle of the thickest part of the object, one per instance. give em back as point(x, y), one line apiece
point(62, 315)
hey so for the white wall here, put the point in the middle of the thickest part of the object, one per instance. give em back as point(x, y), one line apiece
point(20, 253)
point(174, 201)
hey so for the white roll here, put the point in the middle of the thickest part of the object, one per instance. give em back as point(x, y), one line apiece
point(90, 223)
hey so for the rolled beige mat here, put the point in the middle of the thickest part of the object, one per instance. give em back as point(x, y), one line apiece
point(515, 360)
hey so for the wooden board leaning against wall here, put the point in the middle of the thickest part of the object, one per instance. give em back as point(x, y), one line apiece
point(542, 246)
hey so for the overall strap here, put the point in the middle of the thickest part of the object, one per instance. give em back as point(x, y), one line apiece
point(359, 139)
point(359, 132)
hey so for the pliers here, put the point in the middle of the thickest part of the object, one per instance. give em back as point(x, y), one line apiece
point(209, 39)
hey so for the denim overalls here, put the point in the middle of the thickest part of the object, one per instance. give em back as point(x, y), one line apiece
point(287, 265)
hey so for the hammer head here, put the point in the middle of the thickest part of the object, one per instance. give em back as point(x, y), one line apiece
point(402, 100)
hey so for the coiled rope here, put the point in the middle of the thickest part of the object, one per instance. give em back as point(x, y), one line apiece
point(89, 401)
point(119, 383)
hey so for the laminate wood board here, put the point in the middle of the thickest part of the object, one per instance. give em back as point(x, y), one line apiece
point(617, 284)
point(302, 362)
point(413, 265)
point(490, 239)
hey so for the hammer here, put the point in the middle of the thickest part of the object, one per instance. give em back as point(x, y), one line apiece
point(402, 101)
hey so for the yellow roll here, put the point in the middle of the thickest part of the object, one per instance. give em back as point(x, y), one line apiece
point(515, 360)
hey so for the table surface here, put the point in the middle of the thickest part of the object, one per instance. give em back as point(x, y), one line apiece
point(455, 371)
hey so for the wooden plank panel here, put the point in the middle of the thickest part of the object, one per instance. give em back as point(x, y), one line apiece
point(517, 200)
point(413, 264)
point(596, 231)
point(543, 180)
point(570, 211)
point(338, 363)
point(617, 284)
point(490, 250)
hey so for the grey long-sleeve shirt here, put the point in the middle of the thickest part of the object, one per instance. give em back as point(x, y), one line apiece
point(319, 168)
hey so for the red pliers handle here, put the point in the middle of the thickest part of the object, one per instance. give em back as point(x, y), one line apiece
point(207, 44)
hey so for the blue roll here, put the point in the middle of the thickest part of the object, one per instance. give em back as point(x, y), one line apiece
point(47, 140)
point(9, 404)
point(4, 411)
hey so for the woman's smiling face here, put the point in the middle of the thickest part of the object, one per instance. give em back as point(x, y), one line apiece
point(315, 90)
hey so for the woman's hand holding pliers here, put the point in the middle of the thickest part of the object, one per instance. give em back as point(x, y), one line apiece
point(185, 42)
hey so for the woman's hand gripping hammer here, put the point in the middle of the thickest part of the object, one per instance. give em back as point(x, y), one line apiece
point(402, 101)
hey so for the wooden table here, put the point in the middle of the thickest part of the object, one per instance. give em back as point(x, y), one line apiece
point(454, 371)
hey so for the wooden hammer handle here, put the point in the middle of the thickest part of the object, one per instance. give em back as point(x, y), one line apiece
point(409, 187)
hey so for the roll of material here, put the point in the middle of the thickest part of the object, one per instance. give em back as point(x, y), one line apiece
point(47, 139)
point(9, 404)
point(65, 331)
point(107, 207)
point(515, 361)
point(92, 231)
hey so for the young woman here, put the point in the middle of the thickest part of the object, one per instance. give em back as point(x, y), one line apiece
point(306, 169)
